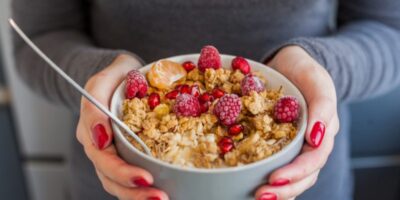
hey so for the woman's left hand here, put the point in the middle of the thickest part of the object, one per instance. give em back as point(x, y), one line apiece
point(317, 86)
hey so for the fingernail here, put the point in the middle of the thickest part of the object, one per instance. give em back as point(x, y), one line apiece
point(280, 182)
point(154, 198)
point(268, 196)
point(317, 134)
point(100, 136)
point(141, 182)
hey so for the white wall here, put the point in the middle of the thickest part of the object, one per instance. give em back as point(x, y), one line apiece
point(44, 129)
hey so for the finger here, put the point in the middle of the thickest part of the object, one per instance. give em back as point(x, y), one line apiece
point(101, 86)
point(288, 191)
point(111, 165)
point(125, 193)
point(309, 161)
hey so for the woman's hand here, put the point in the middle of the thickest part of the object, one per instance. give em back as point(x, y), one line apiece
point(94, 132)
point(323, 124)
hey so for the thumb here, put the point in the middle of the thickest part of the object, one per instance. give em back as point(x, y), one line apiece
point(320, 112)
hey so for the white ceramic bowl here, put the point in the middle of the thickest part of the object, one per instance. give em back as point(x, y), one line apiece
point(236, 183)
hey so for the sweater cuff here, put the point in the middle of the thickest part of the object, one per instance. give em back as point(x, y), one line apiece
point(310, 45)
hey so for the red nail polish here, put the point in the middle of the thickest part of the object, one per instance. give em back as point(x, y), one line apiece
point(268, 196)
point(141, 182)
point(100, 136)
point(317, 134)
point(154, 198)
point(280, 182)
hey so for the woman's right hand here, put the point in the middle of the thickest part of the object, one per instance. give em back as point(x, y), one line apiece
point(118, 178)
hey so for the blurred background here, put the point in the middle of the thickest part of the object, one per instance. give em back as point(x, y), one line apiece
point(35, 138)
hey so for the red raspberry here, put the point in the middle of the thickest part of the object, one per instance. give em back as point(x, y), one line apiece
point(251, 83)
point(287, 109)
point(136, 85)
point(228, 109)
point(153, 100)
point(187, 105)
point(225, 145)
point(217, 93)
point(189, 66)
point(241, 64)
point(209, 58)
point(235, 129)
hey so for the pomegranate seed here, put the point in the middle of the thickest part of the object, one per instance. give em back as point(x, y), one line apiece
point(235, 129)
point(194, 90)
point(225, 145)
point(154, 100)
point(217, 93)
point(185, 89)
point(172, 95)
point(241, 64)
point(178, 87)
point(206, 97)
point(189, 66)
point(204, 107)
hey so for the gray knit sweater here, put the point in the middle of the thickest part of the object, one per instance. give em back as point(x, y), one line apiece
point(358, 41)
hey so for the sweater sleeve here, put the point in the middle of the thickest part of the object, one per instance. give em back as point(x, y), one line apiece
point(59, 28)
point(363, 55)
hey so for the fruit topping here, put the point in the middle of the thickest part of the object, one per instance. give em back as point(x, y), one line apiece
point(217, 93)
point(228, 109)
point(189, 66)
point(240, 63)
point(225, 145)
point(235, 129)
point(187, 105)
point(251, 83)
point(209, 58)
point(164, 73)
point(153, 100)
point(136, 85)
point(287, 109)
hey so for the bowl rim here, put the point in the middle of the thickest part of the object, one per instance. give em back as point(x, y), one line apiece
point(300, 133)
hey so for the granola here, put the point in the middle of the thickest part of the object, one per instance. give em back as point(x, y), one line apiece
point(197, 137)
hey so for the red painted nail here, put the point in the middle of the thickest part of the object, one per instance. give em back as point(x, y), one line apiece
point(154, 198)
point(268, 196)
point(317, 134)
point(100, 136)
point(141, 182)
point(280, 182)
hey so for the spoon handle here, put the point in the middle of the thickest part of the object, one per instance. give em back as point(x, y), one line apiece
point(79, 88)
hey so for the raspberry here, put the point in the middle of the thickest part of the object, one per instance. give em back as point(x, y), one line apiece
point(189, 66)
point(287, 109)
point(187, 105)
point(136, 85)
point(209, 58)
point(228, 109)
point(241, 64)
point(251, 83)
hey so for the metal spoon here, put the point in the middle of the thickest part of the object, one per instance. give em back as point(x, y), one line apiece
point(79, 88)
